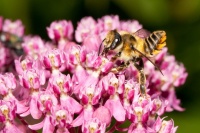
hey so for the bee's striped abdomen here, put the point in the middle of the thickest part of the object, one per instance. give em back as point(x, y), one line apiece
point(155, 42)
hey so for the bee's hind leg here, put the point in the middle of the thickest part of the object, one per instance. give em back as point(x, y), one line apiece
point(142, 78)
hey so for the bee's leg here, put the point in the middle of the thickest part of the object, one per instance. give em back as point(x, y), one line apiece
point(120, 68)
point(104, 52)
point(142, 78)
point(114, 58)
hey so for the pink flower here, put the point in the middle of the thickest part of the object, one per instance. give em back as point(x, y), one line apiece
point(67, 45)
point(10, 81)
point(89, 96)
point(46, 101)
point(76, 56)
point(131, 89)
point(173, 102)
point(59, 30)
point(141, 110)
point(86, 27)
point(171, 68)
point(109, 23)
point(22, 65)
point(8, 85)
point(60, 84)
point(33, 46)
point(4, 90)
point(97, 64)
point(114, 87)
point(53, 59)
point(130, 26)
point(164, 126)
point(32, 79)
point(62, 119)
point(94, 126)
point(15, 27)
point(62, 87)
point(158, 106)
point(7, 111)
point(7, 116)
point(174, 76)
point(103, 115)
point(92, 43)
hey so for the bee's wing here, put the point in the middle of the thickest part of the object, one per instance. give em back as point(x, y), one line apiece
point(142, 33)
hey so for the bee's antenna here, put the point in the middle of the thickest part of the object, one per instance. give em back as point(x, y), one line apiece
point(149, 60)
point(100, 47)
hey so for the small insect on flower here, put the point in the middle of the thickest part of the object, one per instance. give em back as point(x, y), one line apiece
point(131, 47)
point(12, 42)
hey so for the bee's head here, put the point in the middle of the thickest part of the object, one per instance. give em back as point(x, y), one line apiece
point(112, 40)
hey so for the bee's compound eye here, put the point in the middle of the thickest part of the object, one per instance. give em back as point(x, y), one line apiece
point(116, 41)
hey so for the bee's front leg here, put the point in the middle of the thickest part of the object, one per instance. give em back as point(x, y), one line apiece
point(114, 58)
point(142, 78)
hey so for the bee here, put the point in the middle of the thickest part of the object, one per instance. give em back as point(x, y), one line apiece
point(131, 47)
point(12, 42)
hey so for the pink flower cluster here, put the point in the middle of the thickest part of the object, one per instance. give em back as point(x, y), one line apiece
point(63, 85)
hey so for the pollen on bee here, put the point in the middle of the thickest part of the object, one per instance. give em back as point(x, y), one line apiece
point(163, 39)
point(161, 45)
point(155, 52)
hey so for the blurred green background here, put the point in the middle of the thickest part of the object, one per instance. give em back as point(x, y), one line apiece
point(179, 18)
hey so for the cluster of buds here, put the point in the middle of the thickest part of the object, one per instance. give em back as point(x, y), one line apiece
point(63, 85)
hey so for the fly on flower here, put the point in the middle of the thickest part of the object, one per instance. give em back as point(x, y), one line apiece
point(12, 42)
point(131, 47)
